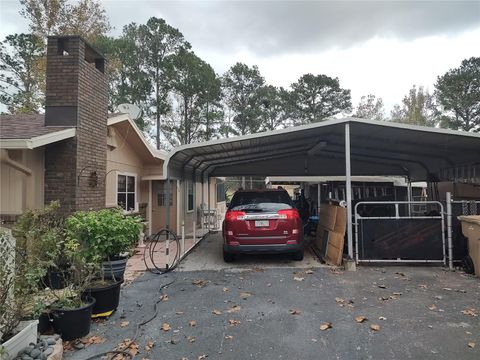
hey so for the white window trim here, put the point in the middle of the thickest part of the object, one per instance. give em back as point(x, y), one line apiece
point(186, 196)
point(136, 191)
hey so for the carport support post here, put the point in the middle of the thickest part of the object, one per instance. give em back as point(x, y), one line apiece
point(209, 215)
point(448, 198)
point(167, 224)
point(348, 185)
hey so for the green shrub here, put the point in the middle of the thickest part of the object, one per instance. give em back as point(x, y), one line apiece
point(103, 234)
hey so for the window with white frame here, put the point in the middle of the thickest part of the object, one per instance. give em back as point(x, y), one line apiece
point(126, 192)
point(190, 200)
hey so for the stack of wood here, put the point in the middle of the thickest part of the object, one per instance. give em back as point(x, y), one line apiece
point(330, 237)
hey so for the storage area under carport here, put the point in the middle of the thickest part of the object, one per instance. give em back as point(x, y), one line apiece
point(346, 147)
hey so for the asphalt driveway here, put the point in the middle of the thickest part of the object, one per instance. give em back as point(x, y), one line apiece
point(276, 313)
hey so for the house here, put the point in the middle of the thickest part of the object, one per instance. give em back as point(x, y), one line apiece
point(88, 159)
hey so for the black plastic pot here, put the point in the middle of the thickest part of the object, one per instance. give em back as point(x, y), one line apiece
point(75, 323)
point(45, 324)
point(57, 279)
point(115, 268)
point(106, 298)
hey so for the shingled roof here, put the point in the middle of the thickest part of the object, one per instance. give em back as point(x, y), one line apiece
point(26, 126)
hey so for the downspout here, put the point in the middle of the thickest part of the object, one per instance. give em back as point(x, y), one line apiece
point(5, 158)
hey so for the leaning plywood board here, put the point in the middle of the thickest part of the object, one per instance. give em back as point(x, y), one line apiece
point(335, 249)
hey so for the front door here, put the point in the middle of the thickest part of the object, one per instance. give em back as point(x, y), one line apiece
point(159, 205)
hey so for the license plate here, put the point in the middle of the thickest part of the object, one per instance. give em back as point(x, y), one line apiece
point(261, 223)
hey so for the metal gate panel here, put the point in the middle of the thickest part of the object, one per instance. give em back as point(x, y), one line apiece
point(397, 234)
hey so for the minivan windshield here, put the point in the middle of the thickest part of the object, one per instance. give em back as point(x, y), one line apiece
point(261, 201)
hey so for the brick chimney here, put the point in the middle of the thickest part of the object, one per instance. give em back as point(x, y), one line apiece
point(76, 96)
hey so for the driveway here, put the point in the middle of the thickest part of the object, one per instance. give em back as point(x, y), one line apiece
point(208, 256)
point(276, 313)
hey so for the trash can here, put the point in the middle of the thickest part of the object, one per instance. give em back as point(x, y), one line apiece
point(471, 229)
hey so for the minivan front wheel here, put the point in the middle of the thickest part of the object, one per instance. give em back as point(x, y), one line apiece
point(298, 255)
point(228, 257)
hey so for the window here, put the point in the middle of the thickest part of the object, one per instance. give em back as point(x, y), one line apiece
point(162, 194)
point(190, 195)
point(220, 191)
point(126, 197)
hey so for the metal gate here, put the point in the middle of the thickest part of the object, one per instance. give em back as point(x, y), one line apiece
point(395, 231)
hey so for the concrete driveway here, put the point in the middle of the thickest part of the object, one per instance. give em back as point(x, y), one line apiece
point(208, 256)
point(276, 313)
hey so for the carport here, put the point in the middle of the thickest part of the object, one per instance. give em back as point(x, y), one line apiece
point(340, 147)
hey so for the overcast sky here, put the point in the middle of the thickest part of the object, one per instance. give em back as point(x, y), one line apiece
point(378, 47)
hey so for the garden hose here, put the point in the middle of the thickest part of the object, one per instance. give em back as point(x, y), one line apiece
point(137, 331)
point(151, 245)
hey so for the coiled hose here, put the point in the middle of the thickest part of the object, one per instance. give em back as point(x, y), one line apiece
point(163, 236)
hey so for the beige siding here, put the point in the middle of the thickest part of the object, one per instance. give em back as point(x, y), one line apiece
point(19, 191)
point(123, 160)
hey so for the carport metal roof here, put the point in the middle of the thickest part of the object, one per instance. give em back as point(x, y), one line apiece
point(376, 148)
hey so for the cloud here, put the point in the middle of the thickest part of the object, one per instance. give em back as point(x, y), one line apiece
point(270, 28)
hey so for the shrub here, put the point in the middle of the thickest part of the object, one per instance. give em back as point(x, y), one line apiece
point(103, 234)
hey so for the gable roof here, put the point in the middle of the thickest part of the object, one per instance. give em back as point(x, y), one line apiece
point(28, 131)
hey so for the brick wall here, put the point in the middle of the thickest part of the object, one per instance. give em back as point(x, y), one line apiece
point(76, 95)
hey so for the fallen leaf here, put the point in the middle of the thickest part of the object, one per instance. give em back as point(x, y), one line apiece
point(179, 312)
point(228, 337)
point(375, 327)
point(397, 293)
point(192, 323)
point(95, 339)
point(124, 323)
point(200, 283)
point(382, 318)
point(234, 322)
point(129, 346)
point(339, 300)
point(216, 312)
point(360, 319)
point(245, 294)
point(225, 289)
point(381, 286)
point(314, 340)
point(309, 272)
point(432, 307)
point(234, 308)
point(201, 357)
point(325, 326)
point(166, 327)
point(191, 339)
point(471, 345)
point(295, 312)
point(164, 297)
point(447, 289)
point(149, 345)
point(470, 312)
point(297, 278)
point(423, 286)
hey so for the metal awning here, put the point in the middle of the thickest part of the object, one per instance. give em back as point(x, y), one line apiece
point(376, 148)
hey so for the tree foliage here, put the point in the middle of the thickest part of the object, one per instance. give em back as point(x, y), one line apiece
point(316, 97)
point(158, 43)
point(458, 94)
point(274, 107)
point(370, 107)
point(193, 84)
point(22, 69)
point(60, 17)
point(241, 86)
point(418, 108)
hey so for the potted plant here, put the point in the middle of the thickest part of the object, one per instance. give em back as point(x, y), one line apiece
point(105, 236)
point(69, 308)
point(16, 286)
point(41, 234)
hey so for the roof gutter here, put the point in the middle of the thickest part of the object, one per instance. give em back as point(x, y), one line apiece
point(5, 159)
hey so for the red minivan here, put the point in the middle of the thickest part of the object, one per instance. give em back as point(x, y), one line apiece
point(262, 221)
